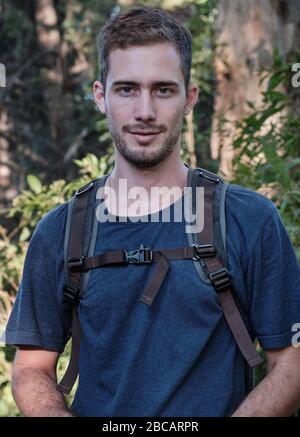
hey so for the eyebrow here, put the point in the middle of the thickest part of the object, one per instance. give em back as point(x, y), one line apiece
point(156, 83)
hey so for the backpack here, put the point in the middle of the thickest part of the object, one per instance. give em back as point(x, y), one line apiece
point(207, 249)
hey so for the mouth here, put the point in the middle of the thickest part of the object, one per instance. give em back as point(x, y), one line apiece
point(144, 137)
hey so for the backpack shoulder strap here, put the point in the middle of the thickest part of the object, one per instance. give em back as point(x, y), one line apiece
point(212, 262)
point(219, 217)
point(80, 238)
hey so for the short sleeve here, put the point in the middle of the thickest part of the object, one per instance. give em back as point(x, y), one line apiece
point(38, 317)
point(273, 283)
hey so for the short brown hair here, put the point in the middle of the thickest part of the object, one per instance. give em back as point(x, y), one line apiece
point(141, 26)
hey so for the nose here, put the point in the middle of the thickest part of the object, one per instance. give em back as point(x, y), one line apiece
point(144, 109)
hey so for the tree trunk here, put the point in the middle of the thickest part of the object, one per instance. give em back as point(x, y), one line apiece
point(247, 33)
point(59, 102)
point(50, 41)
point(190, 139)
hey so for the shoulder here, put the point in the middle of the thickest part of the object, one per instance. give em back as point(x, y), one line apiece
point(247, 213)
point(51, 227)
point(248, 205)
point(54, 219)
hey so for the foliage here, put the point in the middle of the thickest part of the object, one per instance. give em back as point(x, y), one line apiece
point(8, 407)
point(268, 152)
point(49, 116)
point(32, 204)
point(201, 25)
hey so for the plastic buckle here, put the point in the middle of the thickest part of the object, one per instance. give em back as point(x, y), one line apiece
point(79, 192)
point(203, 251)
point(143, 255)
point(209, 177)
point(220, 279)
point(71, 293)
point(77, 264)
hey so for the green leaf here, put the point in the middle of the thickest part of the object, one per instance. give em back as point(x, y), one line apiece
point(25, 234)
point(34, 183)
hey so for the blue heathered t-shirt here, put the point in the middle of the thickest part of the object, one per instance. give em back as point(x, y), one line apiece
point(178, 356)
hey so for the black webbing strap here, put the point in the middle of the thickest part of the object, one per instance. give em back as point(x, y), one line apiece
point(72, 286)
point(71, 373)
point(157, 279)
point(220, 279)
point(76, 239)
point(162, 256)
point(143, 255)
point(125, 257)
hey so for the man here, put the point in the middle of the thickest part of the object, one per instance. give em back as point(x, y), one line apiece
point(177, 357)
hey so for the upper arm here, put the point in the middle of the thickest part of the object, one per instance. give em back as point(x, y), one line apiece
point(41, 316)
point(288, 357)
point(37, 358)
point(272, 281)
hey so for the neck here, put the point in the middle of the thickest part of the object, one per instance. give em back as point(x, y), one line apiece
point(170, 174)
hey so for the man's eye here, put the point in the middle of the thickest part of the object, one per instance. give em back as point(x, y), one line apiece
point(165, 89)
point(125, 88)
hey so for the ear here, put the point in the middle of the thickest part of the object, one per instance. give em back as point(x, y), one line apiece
point(191, 99)
point(99, 96)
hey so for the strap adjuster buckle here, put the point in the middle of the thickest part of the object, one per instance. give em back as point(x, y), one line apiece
point(71, 293)
point(209, 176)
point(220, 279)
point(84, 189)
point(77, 264)
point(203, 251)
point(143, 255)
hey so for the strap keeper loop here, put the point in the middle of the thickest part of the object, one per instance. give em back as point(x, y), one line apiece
point(77, 264)
point(220, 279)
point(84, 189)
point(203, 251)
point(71, 293)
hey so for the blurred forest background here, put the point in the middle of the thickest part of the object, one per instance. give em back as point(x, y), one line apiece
point(246, 124)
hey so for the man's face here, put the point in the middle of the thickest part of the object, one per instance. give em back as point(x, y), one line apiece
point(145, 102)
